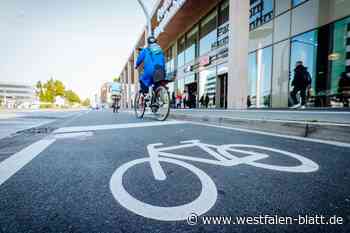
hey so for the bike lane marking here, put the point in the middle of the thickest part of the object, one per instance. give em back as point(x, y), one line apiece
point(208, 196)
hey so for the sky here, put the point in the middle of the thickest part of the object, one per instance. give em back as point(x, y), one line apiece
point(82, 42)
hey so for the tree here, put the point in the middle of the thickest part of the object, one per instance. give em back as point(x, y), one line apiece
point(86, 102)
point(48, 91)
point(59, 88)
point(72, 97)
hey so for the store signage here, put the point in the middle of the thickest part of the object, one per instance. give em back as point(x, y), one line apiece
point(188, 69)
point(204, 61)
point(222, 36)
point(166, 12)
point(258, 14)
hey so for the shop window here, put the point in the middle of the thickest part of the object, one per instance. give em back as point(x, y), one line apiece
point(252, 79)
point(261, 12)
point(224, 11)
point(207, 85)
point(170, 61)
point(181, 52)
point(339, 57)
point(259, 78)
point(208, 33)
point(304, 48)
point(264, 77)
point(180, 86)
point(297, 2)
point(191, 45)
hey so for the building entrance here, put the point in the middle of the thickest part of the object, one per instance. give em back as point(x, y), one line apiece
point(222, 93)
point(191, 89)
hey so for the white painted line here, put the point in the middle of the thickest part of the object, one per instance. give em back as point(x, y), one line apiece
point(73, 135)
point(10, 166)
point(116, 126)
point(333, 143)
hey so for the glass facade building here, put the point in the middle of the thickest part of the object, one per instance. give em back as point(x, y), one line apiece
point(281, 33)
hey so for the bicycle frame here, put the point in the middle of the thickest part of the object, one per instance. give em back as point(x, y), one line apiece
point(228, 160)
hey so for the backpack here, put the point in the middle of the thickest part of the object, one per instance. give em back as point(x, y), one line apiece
point(307, 77)
point(159, 71)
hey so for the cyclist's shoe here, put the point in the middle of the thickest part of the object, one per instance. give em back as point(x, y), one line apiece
point(147, 98)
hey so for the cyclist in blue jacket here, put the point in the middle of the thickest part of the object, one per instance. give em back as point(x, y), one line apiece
point(153, 58)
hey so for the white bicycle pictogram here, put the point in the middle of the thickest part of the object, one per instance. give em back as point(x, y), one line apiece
point(223, 156)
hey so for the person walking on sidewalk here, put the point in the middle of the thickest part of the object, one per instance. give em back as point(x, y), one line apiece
point(301, 84)
point(178, 100)
point(201, 101)
point(344, 88)
point(206, 100)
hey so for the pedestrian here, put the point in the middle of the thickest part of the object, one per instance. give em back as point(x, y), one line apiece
point(206, 100)
point(249, 102)
point(301, 84)
point(173, 100)
point(344, 89)
point(185, 99)
point(201, 101)
point(178, 100)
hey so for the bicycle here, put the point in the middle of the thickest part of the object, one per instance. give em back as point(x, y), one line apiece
point(116, 103)
point(159, 102)
point(223, 156)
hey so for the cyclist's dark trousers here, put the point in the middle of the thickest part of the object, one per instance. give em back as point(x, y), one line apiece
point(294, 93)
point(143, 88)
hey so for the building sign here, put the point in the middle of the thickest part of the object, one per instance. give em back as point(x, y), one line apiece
point(165, 14)
point(223, 36)
point(261, 12)
point(204, 61)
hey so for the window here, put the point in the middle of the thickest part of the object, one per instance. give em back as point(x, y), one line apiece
point(181, 53)
point(339, 57)
point(191, 45)
point(180, 86)
point(224, 12)
point(264, 77)
point(252, 78)
point(261, 12)
point(207, 84)
point(259, 78)
point(297, 2)
point(304, 48)
point(208, 34)
point(170, 61)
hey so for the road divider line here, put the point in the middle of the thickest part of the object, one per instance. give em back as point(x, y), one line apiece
point(15, 162)
point(115, 126)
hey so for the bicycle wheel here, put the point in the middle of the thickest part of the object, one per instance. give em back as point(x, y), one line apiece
point(162, 103)
point(305, 165)
point(139, 105)
point(201, 205)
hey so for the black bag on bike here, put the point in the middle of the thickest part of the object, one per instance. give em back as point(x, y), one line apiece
point(159, 74)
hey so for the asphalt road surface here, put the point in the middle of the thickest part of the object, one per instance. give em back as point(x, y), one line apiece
point(102, 172)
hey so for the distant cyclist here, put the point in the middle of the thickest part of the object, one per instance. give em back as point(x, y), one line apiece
point(116, 90)
point(154, 65)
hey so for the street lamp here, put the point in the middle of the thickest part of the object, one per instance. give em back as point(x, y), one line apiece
point(148, 17)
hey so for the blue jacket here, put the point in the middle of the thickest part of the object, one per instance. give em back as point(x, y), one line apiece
point(151, 56)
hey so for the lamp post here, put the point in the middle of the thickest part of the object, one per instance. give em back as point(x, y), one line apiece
point(148, 17)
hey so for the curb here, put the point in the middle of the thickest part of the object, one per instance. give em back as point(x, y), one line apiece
point(324, 131)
